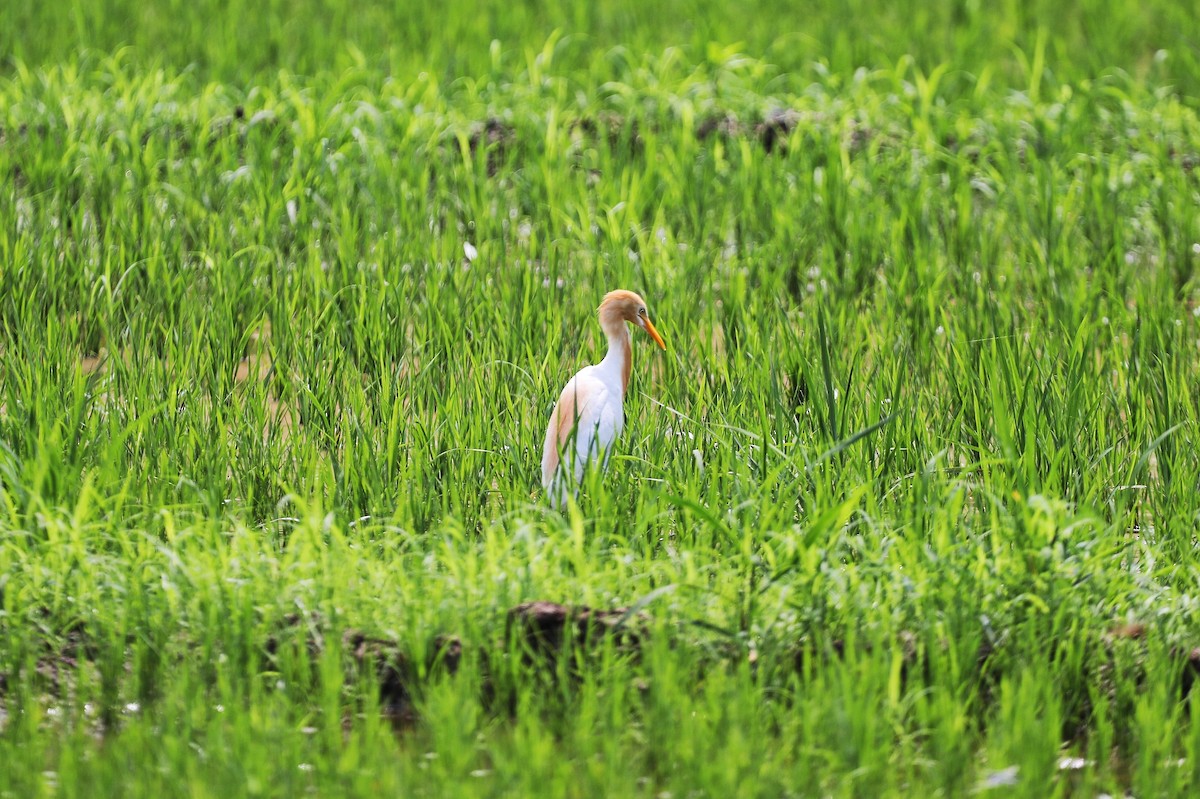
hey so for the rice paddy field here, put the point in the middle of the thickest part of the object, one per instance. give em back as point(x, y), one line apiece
point(908, 507)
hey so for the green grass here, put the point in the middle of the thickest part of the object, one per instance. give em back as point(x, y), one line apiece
point(909, 505)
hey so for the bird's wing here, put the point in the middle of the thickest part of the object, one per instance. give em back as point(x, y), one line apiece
point(609, 419)
point(587, 412)
point(550, 449)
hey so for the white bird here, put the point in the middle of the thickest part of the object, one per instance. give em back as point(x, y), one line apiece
point(589, 414)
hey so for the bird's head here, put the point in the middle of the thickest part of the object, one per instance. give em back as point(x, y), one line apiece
point(622, 306)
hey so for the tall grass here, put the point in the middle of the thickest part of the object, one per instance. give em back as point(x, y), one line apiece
point(909, 504)
point(1009, 44)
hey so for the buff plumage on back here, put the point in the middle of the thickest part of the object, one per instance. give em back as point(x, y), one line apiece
point(562, 421)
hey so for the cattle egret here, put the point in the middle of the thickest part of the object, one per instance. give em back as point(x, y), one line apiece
point(589, 414)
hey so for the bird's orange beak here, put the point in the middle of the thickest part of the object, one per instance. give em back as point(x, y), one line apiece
point(654, 334)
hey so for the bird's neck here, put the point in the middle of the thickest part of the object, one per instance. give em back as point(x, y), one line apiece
point(620, 353)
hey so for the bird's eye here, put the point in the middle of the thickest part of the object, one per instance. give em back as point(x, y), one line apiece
point(642, 311)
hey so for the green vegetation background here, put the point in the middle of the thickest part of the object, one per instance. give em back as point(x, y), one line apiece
point(908, 506)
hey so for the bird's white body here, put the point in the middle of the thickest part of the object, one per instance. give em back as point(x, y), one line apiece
point(590, 412)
